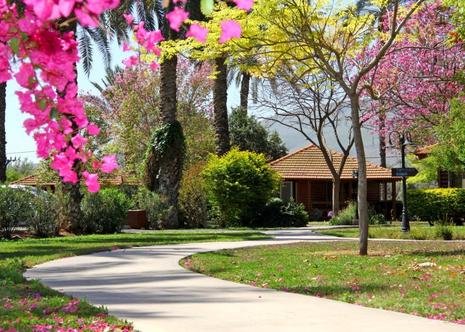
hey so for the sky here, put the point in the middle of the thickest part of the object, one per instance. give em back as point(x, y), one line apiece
point(20, 145)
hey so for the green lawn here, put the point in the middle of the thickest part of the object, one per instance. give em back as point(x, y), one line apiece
point(393, 277)
point(417, 232)
point(26, 306)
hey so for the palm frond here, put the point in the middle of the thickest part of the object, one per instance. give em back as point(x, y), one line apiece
point(85, 51)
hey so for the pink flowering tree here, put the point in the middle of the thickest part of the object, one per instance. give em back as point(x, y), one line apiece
point(413, 85)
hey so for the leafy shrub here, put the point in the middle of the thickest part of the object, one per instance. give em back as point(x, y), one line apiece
point(346, 216)
point(15, 208)
point(44, 221)
point(239, 185)
point(443, 232)
point(437, 205)
point(193, 201)
point(153, 205)
point(280, 214)
point(104, 212)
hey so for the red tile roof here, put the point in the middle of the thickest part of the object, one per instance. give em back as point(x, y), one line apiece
point(309, 163)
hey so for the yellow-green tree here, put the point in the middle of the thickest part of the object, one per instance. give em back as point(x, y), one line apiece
point(329, 36)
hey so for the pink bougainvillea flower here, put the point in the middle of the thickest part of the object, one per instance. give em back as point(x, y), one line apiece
point(66, 7)
point(26, 76)
point(129, 18)
point(131, 61)
point(229, 29)
point(198, 32)
point(177, 17)
point(109, 164)
point(244, 4)
point(91, 181)
point(154, 65)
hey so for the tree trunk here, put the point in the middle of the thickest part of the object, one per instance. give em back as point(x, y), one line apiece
point(362, 199)
point(245, 88)
point(171, 162)
point(72, 213)
point(2, 132)
point(220, 108)
point(336, 195)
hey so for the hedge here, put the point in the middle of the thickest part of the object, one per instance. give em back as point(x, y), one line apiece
point(437, 205)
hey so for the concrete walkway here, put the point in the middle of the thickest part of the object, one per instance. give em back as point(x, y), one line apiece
point(148, 287)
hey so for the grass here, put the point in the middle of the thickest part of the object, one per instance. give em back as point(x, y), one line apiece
point(417, 232)
point(29, 306)
point(393, 277)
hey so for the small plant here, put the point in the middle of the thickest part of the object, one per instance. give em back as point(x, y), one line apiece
point(444, 232)
point(280, 214)
point(346, 216)
point(153, 205)
point(44, 220)
point(315, 215)
point(193, 200)
point(104, 212)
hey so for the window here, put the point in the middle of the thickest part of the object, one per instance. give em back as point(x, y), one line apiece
point(287, 191)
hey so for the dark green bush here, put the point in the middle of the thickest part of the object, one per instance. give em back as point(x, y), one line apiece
point(316, 215)
point(280, 214)
point(437, 205)
point(239, 185)
point(15, 209)
point(104, 212)
point(44, 221)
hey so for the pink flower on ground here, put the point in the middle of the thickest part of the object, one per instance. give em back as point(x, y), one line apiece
point(229, 29)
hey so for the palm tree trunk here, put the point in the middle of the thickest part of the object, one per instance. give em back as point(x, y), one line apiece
point(245, 88)
point(382, 140)
point(171, 162)
point(2, 132)
point(362, 198)
point(220, 108)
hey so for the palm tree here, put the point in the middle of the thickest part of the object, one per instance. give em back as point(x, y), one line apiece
point(220, 107)
point(3, 160)
point(165, 157)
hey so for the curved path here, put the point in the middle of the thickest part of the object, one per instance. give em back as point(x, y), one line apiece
point(148, 287)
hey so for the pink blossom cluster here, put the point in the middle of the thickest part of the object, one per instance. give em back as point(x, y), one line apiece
point(230, 29)
point(415, 81)
point(46, 70)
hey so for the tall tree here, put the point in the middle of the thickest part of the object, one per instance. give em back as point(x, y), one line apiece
point(323, 35)
point(316, 108)
point(3, 159)
point(220, 106)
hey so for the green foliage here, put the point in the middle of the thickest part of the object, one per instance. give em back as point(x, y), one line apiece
point(15, 208)
point(153, 205)
point(239, 184)
point(247, 134)
point(104, 212)
point(346, 216)
point(437, 205)
point(193, 200)
point(166, 141)
point(44, 221)
point(280, 214)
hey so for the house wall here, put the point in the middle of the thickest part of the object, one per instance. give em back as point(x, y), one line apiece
point(318, 195)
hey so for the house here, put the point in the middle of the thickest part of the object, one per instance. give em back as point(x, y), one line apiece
point(307, 179)
point(445, 179)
